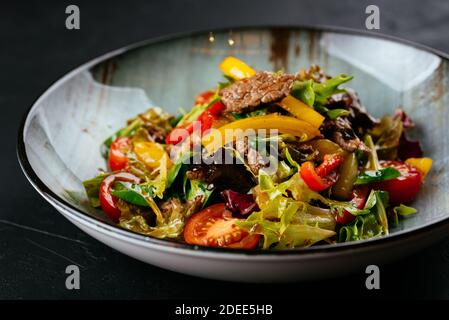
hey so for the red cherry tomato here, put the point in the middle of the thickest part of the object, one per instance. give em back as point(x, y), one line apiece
point(215, 227)
point(178, 134)
point(359, 195)
point(107, 200)
point(204, 98)
point(402, 189)
point(117, 153)
point(206, 118)
point(324, 176)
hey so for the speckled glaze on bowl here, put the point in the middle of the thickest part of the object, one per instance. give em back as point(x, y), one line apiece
point(59, 141)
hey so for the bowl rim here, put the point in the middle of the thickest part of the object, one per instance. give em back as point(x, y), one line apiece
point(162, 244)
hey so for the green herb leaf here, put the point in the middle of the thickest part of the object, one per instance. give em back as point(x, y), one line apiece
point(335, 113)
point(323, 91)
point(371, 176)
point(175, 169)
point(131, 193)
point(303, 90)
point(404, 210)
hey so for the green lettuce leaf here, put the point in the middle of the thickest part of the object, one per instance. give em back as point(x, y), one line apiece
point(284, 234)
point(363, 227)
point(297, 235)
point(404, 210)
point(387, 135)
point(170, 226)
point(92, 187)
point(371, 225)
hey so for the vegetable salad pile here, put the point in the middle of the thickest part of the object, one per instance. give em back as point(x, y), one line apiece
point(340, 174)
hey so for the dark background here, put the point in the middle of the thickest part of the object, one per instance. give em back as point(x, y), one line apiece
point(37, 243)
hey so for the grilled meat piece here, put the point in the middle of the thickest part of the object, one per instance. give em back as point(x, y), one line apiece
point(360, 120)
point(340, 131)
point(262, 88)
point(223, 176)
point(254, 160)
point(155, 133)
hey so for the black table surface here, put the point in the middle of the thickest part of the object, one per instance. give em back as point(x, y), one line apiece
point(37, 243)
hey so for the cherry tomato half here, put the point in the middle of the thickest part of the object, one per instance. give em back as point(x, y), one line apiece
point(117, 153)
point(402, 189)
point(215, 227)
point(359, 195)
point(324, 176)
point(107, 200)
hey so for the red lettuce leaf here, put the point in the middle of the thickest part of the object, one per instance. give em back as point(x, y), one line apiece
point(238, 203)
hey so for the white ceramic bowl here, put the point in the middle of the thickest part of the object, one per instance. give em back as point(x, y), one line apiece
point(59, 140)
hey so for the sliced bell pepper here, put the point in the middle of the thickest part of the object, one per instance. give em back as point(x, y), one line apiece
point(329, 164)
point(211, 114)
point(422, 164)
point(150, 153)
point(324, 176)
point(301, 111)
point(235, 130)
point(204, 98)
point(236, 69)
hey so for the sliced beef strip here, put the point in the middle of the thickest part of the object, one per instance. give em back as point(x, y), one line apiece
point(156, 133)
point(252, 157)
point(340, 131)
point(223, 176)
point(262, 88)
point(360, 120)
point(299, 151)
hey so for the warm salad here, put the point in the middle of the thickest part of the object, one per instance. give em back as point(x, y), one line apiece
point(266, 160)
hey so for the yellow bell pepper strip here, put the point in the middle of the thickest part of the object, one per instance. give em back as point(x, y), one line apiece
point(151, 154)
point(236, 69)
point(301, 111)
point(422, 164)
point(241, 128)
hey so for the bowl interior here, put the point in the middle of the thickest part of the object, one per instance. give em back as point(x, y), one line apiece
point(65, 128)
